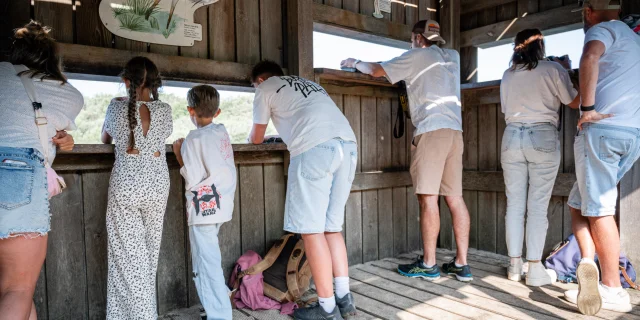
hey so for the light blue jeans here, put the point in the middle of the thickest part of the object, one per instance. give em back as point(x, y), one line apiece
point(319, 186)
point(530, 162)
point(24, 199)
point(207, 271)
point(604, 154)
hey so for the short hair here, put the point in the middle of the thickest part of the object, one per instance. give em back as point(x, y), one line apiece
point(266, 67)
point(205, 100)
point(528, 49)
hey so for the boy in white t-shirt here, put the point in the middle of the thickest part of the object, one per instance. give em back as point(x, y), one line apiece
point(324, 155)
point(208, 168)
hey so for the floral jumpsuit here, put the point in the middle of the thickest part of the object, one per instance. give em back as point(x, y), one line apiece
point(138, 192)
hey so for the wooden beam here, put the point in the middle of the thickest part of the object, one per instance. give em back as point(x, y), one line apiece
point(380, 180)
point(359, 35)
point(350, 77)
point(109, 62)
point(493, 181)
point(552, 21)
point(300, 38)
point(477, 5)
point(324, 14)
point(450, 23)
point(479, 97)
point(108, 148)
point(337, 87)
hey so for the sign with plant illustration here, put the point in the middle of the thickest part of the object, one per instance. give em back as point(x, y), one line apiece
point(167, 22)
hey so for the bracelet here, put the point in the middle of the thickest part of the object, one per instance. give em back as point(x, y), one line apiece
point(356, 63)
point(587, 108)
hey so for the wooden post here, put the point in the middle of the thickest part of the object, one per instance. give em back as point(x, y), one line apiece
point(300, 38)
point(629, 206)
point(450, 23)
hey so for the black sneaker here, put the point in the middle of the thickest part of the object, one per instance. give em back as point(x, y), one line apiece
point(417, 270)
point(316, 312)
point(347, 306)
point(462, 273)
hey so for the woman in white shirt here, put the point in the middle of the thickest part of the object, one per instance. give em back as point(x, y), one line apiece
point(24, 204)
point(532, 92)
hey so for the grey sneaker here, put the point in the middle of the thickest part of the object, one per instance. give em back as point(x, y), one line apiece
point(347, 306)
point(315, 312)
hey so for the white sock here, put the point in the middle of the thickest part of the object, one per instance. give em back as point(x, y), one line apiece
point(328, 304)
point(342, 286)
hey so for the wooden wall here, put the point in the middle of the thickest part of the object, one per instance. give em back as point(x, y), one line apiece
point(233, 30)
point(408, 13)
point(483, 125)
point(73, 281)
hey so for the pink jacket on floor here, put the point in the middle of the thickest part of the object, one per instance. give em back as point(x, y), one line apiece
point(250, 292)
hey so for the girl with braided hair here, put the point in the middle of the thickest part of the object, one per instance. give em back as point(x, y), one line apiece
point(532, 92)
point(138, 125)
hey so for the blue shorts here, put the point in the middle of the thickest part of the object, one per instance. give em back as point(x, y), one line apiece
point(24, 199)
point(318, 187)
point(604, 154)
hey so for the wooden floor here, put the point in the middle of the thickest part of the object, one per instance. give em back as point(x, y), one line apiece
point(381, 293)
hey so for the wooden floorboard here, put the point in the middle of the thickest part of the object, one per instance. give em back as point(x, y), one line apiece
point(381, 293)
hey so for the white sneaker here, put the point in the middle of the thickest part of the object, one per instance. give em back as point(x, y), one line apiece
point(589, 300)
point(514, 271)
point(538, 275)
point(614, 299)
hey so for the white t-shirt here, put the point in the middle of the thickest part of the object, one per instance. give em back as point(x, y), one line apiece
point(61, 105)
point(618, 89)
point(536, 95)
point(432, 76)
point(210, 176)
point(302, 112)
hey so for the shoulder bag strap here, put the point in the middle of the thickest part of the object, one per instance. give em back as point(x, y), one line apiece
point(41, 120)
point(626, 278)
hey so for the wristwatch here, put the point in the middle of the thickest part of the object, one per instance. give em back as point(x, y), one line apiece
point(357, 61)
point(587, 108)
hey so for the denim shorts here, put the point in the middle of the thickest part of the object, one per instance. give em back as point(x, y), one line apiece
point(604, 154)
point(24, 203)
point(318, 187)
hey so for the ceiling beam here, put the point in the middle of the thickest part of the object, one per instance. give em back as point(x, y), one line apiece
point(109, 62)
point(468, 6)
point(552, 21)
point(328, 15)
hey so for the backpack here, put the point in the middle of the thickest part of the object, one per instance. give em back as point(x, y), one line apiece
point(285, 270)
point(633, 21)
point(565, 257)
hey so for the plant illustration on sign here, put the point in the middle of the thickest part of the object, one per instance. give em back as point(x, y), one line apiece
point(154, 21)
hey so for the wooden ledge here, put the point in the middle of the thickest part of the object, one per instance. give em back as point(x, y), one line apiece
point(108, 148)
point(349, 78)
point(109, 62)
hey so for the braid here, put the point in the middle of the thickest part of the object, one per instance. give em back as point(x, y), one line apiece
point(132, 114)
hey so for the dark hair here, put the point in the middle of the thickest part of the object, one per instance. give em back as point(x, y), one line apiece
point(528, 49)
point(38, 51)
point(419, 28)
point(141, 73)
point(266, 67)
point(205, 100)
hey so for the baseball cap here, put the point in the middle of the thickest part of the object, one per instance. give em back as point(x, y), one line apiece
point(602, 4)
point(432, 32)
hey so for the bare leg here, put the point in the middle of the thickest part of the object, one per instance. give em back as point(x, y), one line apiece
point(34, 314)
point(607, 239)
point(429, 226)
point(582, 232)
point(461, 227)
point(319, 256)
point(20, 262)
point(338, 251)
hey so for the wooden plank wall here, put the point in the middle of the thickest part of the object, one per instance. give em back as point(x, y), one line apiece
point(483, 127)
point(233, 30)
point(409, 12)
point(379, 223)
point(77, 255)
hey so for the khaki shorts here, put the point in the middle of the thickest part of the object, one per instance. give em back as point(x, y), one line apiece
point(436, 168)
